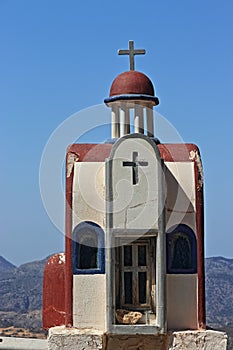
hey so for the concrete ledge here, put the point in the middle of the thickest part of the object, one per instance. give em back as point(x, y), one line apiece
point(61, 338)
point(198, 340)
point(11, 343)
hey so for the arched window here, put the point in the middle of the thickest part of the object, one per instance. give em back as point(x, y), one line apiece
point(181, 250)
point(88, 249)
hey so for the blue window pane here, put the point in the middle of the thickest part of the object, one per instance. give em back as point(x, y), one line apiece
point(181, 250)
point(88, 252)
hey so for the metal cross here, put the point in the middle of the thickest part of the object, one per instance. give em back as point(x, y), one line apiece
point(131, 52)
point(135, 164)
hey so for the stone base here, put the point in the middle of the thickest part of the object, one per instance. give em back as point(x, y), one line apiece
point(61, 338)
point(198, 340)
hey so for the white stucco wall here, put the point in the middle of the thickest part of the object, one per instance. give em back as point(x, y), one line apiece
point(135, 206)
point(182, 302)
point(182, 289)
point(181, 201)
point(89, 301)
point(89, 193)
point(89, 291)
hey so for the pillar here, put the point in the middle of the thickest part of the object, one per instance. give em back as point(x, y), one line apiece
point(138, 119)
point(150, 121)
point(115, 121)
point(124, 120)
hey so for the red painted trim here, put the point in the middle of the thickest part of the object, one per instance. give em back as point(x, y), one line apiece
point(179, 152)
point(91, 152)
point(200, 250)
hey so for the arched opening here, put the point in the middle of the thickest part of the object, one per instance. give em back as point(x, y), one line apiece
point(181, 250)
point(88, 249)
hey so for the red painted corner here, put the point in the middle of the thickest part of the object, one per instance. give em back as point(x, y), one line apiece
point(53, 312)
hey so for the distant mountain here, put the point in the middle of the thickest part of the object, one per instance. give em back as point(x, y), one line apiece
point(219, 291)
point(5, 265)
point(21, 293)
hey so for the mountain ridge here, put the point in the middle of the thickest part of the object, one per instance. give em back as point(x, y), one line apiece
point(5, 265)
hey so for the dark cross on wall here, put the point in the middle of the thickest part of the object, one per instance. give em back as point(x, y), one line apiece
point(135, 164)
point(131, 52)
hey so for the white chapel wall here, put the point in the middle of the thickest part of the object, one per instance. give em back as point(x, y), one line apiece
point(89, 301)
point(182, 289)
point(89, 193)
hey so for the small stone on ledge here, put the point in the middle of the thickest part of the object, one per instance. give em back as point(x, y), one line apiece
point(127, 317)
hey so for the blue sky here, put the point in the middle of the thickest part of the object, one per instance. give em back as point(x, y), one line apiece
point(59, 57)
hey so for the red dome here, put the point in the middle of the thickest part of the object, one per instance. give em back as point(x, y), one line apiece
point(132, 82)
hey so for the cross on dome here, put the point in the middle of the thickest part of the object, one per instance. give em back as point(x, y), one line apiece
point(131, 52)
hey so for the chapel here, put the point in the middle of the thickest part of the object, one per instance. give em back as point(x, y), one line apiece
point(134, 249)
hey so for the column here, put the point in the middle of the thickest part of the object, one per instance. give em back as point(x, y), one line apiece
point(138, 119)
point(150, 121)
point(127, 119)
point(115, 121)
point(124, 120)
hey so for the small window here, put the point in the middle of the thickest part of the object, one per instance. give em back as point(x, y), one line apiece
point(181, 250)
point(135, 272)
point(88, 249)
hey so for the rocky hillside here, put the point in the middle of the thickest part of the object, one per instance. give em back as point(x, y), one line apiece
point(21, 294)
point(5, 265)
point(219, 291)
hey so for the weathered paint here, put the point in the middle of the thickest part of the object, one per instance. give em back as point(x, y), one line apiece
point(54, 291)
point(195, 156)
point(71, 159)
point(200, 249)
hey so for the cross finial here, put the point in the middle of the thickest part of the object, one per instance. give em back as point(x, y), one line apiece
point(131, 52)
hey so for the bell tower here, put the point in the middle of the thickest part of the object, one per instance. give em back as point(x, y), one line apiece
point(132, 94)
